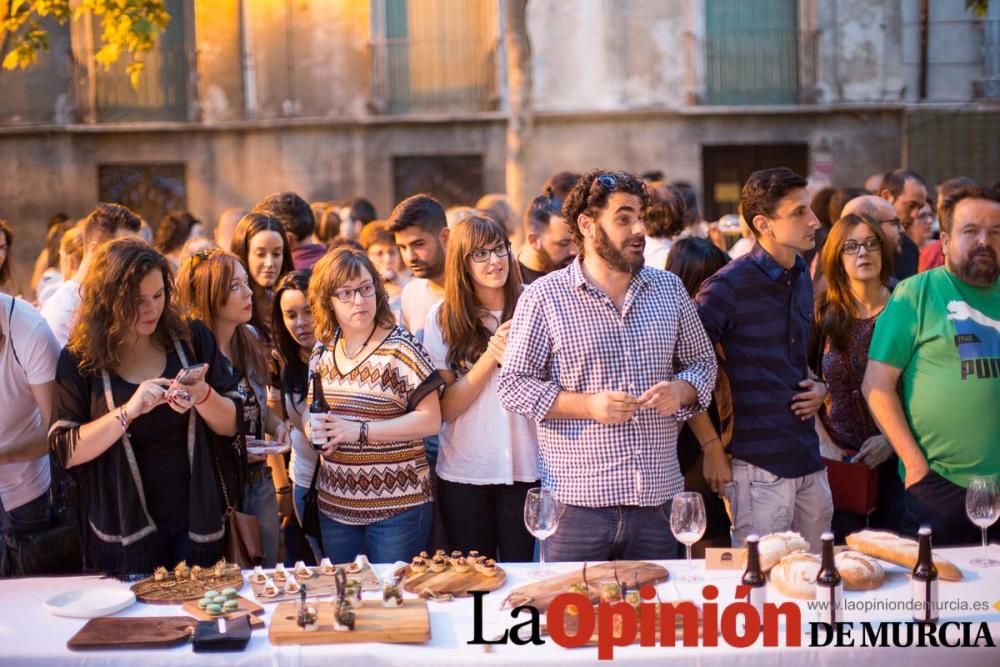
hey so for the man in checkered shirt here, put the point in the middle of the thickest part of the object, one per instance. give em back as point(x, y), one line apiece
point(608, 357)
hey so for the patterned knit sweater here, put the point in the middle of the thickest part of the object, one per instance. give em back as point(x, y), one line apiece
point(362, 484)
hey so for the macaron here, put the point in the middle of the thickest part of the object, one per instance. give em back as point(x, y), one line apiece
point(204, 602)
point(231, 605)
point(211, 594)
point(220, 599)
point(213, 609)
point(229, 593)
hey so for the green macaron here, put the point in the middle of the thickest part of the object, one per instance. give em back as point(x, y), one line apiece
point(213, 609)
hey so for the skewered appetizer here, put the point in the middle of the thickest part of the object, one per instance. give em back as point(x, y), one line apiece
point(343, 620)
point(392, 596)
point(308, 619)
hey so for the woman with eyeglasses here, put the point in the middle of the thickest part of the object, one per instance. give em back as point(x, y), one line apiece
point(213, 288)
point(294, 341)
point(488, 457)
point(857, 262)
point(138, 432)
point(382, 389)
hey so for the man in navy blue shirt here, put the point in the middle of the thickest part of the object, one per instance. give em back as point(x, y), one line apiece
point(759, 309)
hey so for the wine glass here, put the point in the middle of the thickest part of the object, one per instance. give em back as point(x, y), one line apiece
point(982, 504)
point(687, 521)
point(541, 517)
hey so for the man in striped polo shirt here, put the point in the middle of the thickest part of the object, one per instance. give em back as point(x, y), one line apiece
point(760, 309)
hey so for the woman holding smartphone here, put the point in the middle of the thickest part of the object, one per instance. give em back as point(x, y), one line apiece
point(140, 443)
point(382, 389)
point(213, 288)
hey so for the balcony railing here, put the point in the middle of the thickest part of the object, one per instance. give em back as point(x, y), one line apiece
point(991, 58)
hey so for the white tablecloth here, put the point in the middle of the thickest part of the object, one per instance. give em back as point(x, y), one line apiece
point(30, 635)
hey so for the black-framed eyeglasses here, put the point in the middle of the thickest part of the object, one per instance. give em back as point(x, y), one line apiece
point(895, 222)
point(870, 245)
point(480, 255)
point(346, 295)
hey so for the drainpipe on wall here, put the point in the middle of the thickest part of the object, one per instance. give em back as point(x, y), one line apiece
point(924, 20)
point(249, 67)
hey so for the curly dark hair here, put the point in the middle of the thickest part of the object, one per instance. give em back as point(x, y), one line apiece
point(764, 189)
point(109, 298)
point(292, 211)
point(590, 195)
point(666, 213)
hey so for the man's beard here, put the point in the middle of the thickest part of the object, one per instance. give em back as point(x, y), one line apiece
point(429, 270)
point(548, 266)
point(975, 273)
point(616, 257)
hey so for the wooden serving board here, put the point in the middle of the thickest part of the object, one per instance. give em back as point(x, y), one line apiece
point(320, 585)
point(406, 624)
point(247, 608)
point(171, 591)
point(119, 633)
point(452, 582)
point(540, 593)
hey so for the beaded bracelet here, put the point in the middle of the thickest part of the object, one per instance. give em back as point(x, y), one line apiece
point(122, 418)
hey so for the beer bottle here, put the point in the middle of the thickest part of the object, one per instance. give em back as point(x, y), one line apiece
point(319, 406)
point(754, 576)
point(829, 586)
point(925, 581)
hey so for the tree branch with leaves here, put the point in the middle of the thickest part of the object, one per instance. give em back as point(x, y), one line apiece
point(127, 26)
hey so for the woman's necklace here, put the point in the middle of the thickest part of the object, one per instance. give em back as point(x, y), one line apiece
point(352, 357)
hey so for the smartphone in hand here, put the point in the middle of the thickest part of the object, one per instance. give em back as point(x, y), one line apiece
point(191, 375)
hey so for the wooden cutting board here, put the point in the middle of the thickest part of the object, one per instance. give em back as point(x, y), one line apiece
point(320, 585)
point(119, 633)
point(172, 591)
point(540, 593)
point(406, 624)
point(452, 582)
point(246, 608)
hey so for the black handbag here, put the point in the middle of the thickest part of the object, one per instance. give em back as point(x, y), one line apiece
point(310, 509)
point(52, 550)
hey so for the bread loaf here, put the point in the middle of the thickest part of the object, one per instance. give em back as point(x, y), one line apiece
point(899, 551)
point(795, 575)
point(776, 546)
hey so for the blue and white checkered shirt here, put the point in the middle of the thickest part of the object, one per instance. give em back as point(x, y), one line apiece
point(567, 335)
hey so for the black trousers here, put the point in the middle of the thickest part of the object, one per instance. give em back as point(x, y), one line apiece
point(936, 502)
point(488, 518)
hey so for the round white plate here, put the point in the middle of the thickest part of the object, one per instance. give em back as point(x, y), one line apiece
point(90, 602)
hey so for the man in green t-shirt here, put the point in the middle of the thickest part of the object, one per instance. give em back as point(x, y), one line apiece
point(938, 340)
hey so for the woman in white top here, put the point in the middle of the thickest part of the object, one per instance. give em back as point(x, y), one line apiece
point(292, 326)
point(28, 356)
point(489, 457)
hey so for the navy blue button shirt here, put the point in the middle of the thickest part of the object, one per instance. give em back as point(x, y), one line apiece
point(761, 313)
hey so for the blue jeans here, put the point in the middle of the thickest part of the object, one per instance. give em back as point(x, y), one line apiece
point(612, 533)
point(261, 500)
point(299, 500)
point(400, 537)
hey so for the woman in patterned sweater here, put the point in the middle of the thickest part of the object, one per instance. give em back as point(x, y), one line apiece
point(374, 485)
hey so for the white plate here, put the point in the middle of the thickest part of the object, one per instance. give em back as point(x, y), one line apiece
point(90, 602)
point(266, 447)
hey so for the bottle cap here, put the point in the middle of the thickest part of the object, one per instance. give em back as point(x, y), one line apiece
point(827, 537)
point(753, 538)
point(924, 530)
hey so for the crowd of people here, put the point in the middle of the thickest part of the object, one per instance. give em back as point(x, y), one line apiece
point(611, 347)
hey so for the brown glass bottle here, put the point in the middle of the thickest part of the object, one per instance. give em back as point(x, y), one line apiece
point(829, 585)
point(925, 581)
point(753, 576)
point(318, 406)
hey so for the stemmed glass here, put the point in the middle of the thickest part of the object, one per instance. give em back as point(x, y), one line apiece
point(982, 504)
point(541, 517)
point(687, 521)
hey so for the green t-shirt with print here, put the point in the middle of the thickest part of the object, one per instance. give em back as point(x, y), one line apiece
point(944, 335)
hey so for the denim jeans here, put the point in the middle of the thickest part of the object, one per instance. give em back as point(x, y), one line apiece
point(936, 502)
point(398, 538)
point(299, 499)
point(261, 500)
point(31, 517)
point(612, 533)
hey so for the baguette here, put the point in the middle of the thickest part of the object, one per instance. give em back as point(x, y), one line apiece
point(795, 575)
point(899, 551)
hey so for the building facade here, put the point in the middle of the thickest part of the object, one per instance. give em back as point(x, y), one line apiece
point(336, 98)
